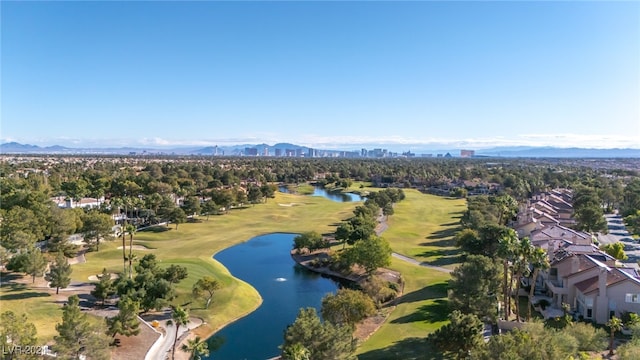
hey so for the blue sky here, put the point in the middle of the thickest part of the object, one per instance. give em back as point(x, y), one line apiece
point(330, 74)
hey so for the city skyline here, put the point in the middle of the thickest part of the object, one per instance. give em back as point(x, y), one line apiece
point(321, 74)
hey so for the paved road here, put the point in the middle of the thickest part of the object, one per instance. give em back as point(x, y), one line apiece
point(416, 262)
point(382, 226)
point(618, 233)
point(161, 349)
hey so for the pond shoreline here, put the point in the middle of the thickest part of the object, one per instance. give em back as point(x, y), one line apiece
point(370, 325)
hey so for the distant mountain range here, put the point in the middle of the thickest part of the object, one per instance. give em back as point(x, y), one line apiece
point(282, 148)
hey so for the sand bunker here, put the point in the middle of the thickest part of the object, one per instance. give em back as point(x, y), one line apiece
point(95, 277)
point(289, 204)
point(135, 247)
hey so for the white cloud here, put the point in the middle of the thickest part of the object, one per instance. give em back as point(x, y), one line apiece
point(347, 142)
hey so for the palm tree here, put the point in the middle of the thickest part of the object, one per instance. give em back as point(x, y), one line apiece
point(131, 230)
point(196, 348)
point(523, 252)
point(539, 261)
point(179, 317)
point(614, 325)
point(506, 247)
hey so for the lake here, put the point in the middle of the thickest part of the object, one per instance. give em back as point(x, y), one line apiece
point(265, 263)
point(336, 196)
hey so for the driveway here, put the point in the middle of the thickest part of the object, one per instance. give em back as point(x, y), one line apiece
point(163, 346)
point(619, 233)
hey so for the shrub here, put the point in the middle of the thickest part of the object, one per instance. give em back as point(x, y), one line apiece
point(543, 303)
point(379, 290)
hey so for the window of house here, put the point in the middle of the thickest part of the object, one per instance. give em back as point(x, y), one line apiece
point(632, 298)
point(589, 313)
point(553, 272)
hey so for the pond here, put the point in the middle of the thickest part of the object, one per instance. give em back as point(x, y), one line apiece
point(336, 196)
point(265, 263)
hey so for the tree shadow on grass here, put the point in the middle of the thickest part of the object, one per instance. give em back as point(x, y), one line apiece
point(8, 280)
point(440, 243)
point(22, 296)
point(433, 312)
point(444, 234)
point(442, 257)
point(156, 229)
point(406, 349)
point(435, 291)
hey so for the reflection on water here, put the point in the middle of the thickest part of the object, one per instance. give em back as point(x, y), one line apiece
point(336, 196)
point(284, 286)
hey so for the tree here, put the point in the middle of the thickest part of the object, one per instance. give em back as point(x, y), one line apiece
point(322, 340)
point(615, 249)
point(178, 217)
point(372, 253)
point(126, 322)
point(507, 240)
point(474, 287)
point(539, 261)
point(310, 240)
point(156, 292)
point(191, 205)
point(268, 191)
point(175, 273)
point(209, 207)
point(387, 210)
point(196, 348)
point(591, 219)
point(131, 230)
point(104, 287)
point(364, 227)
point(296, 351)
point(179, 317)
point(507, 207)
point(520, 267)
point(589, 337)
point(35, 264)
point(95, 226)
point(614, 324)
point(78, 336)
point(469, 241)
point(460, 337)
point(59, 275)
point(633, 222)
point(343, 232)
point(16, 331)
point(205, 288)
point(347, 307)
point(254, 195)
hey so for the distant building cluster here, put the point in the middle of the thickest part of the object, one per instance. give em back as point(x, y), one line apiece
point(303, 152)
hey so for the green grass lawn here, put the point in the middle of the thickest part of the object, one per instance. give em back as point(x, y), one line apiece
point(421, 310)
point(422, 227)
point(39, 306)
point(193, 246)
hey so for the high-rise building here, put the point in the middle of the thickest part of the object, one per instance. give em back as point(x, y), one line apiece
point(250, 151)
point(467, 153)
